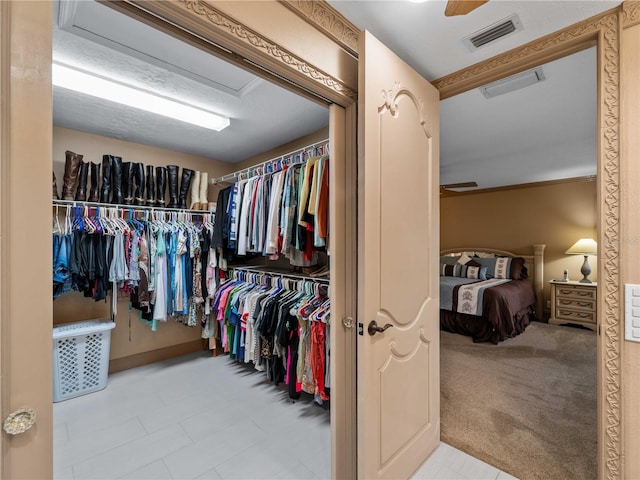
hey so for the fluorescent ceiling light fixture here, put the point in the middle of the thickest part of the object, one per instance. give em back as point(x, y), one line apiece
point(96, 86)
point(512, 83)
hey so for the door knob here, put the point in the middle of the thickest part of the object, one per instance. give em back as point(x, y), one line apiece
point(19, 421)
point(373, 328)
point(347, 322)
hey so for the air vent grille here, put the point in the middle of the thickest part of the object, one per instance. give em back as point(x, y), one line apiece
point(514, 82)
point(493, 32)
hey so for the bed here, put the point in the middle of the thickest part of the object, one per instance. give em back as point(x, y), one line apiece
point(488, 294)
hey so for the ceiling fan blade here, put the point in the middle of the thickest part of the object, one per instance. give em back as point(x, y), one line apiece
point(460, 185)
point(462, 7)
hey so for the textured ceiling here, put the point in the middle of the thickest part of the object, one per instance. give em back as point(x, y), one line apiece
point(98, 39)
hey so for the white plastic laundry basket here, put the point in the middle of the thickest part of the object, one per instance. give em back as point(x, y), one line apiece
point(80, 357)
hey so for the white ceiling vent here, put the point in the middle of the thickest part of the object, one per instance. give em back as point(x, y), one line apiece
point(500, 29)
point(514, 82)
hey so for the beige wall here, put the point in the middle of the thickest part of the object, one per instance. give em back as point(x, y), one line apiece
point(630, 241)
point(131, 336)
point(555, 214)
point(317, 136)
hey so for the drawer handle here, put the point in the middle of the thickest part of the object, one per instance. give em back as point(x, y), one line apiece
point(580, 304)
point(576, 314)
point(578, 292)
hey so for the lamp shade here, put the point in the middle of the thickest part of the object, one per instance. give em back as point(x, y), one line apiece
point(584, 246)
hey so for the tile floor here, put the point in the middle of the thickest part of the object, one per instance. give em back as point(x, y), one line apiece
point(199, 417)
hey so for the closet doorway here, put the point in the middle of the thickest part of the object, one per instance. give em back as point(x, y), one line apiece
point(233, 405)
point(542, 176)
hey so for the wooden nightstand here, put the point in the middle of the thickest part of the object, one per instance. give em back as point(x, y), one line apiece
point(573, 302)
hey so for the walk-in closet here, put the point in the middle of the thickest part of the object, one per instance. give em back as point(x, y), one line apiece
point(206, 252)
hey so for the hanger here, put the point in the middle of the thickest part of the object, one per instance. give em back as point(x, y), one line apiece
point(56, 223)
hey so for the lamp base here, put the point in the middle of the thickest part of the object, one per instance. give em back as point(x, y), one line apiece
point(585, 271)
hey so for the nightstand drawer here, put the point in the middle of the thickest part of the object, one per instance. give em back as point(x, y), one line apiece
point(574, 315)
point(576, 291)
point(576, 304)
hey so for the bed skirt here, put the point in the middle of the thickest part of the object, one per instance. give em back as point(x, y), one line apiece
point(481, 329)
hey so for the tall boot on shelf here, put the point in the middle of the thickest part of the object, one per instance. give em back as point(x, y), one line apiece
point(83, 172)
point(151, 188)
point(161, 184)
point(204, 191)
point(138, 175)
point(55, 187)
point(105, 190)
point(127, 183)
point(116, 180)
point(195, 191)
point(187, 175)
point(94, 193)
point(172, 180)
point(71, 166)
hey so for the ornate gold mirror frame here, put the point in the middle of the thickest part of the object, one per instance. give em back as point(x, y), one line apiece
point(206, 24)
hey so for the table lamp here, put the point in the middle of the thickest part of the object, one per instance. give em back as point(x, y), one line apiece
point(586, 247)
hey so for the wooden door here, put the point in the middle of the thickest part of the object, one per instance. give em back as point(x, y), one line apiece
point(398, 256)
point(25, 239)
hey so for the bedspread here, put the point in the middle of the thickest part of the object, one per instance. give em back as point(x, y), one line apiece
point(506, 310)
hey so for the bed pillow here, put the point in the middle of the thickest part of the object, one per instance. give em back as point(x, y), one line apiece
point(464, 259)
point(470, 270)
point(449, 260)
point(518, 271)
point(511, 268)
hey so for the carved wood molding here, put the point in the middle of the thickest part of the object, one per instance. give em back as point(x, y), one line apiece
point(609, 172)
point(604, 30)
point(262, 44)
point(630, 13)
point(325, 18)
point(563, 42)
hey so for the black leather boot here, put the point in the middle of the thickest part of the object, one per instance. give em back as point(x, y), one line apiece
point(187, 175)
point(71, 167)
point(151, 188)
point(83, 172)
point(161, 184)
point(116, 180)
point(55, 187)
point(138, 175)
point(172, 180)
point(94, 194)
point(127, 183)
point(105, 191)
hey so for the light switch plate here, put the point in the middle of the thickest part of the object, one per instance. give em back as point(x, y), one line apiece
point(631, 312)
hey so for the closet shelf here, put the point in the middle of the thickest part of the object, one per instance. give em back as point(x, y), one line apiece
point(76, 203)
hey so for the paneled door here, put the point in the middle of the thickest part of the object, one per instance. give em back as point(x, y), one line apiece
point(398, 255)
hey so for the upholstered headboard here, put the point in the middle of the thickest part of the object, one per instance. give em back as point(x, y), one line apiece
point(533, 262)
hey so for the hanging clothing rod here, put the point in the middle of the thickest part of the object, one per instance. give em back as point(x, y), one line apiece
point(137, 208)
point(278, 274)
point(235, 175)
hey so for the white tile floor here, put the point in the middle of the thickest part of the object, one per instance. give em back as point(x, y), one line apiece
point(208, 418)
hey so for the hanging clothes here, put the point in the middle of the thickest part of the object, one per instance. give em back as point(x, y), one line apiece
point(157, 263)
point(282, 212)
point(278, 325)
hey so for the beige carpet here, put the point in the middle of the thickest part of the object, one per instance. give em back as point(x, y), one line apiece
point(526, 406)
